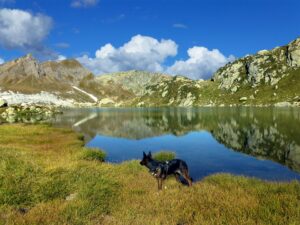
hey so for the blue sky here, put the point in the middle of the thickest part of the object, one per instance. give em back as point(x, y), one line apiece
point(78, 28)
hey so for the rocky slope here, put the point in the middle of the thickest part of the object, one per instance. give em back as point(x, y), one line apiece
point(264, 68)
point(270, 77)
point(26, 80)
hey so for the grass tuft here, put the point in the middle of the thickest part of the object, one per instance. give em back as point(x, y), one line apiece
point(164, 156)
point(93, 154)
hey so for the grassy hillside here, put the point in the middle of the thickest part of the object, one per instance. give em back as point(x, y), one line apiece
point(46, 178)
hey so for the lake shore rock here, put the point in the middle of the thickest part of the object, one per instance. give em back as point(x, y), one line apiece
point(28, 113)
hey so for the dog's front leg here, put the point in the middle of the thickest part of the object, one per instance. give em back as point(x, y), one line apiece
point(159, 183)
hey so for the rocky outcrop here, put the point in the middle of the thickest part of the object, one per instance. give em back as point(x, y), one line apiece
point(175, 91)
point(22, 67)
point(264, 68)
point(27, 75)
point(69, 70)
point(28, 113)
point(293, 53)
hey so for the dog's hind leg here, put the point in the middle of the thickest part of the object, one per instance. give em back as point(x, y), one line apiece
point(177, 176)
point(186, 176)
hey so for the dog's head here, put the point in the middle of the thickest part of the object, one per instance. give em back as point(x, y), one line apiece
point(146, 158)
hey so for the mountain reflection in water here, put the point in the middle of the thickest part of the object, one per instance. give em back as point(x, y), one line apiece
point(265, 133)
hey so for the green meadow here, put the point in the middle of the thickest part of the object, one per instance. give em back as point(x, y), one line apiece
point(47, 176)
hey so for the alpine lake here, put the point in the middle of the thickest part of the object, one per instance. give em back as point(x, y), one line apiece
point(256, 142)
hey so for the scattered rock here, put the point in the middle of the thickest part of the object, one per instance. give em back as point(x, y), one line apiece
point(234, 89)
point(282, 104)
point(140, 104)
point(164, 93)
point(106, 101)
point(263, 52)
point(71, 197)
point(243, 99)
point(3, 103)
point(28, 114)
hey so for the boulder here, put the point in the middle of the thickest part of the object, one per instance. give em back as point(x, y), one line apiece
point(243, 99)
point(234, 89)
point(3, 103)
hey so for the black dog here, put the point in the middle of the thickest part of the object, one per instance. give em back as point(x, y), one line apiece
point(160, 170)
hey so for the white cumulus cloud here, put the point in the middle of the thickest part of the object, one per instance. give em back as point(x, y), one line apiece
point(140, 53)
point(201, 64)
point(1, 61)
point(60, 58)
point(23, 30)
point(84, 3)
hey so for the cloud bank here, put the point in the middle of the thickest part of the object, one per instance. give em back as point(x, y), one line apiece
point(22, 30)
point(1, 61)
point(140, 53)
point(150, 54)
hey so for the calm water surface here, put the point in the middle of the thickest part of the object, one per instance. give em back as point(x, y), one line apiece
point(255, 142)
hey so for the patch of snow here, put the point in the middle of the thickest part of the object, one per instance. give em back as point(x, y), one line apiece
point(88, 94)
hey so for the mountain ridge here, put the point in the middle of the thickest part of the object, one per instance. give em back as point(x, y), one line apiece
point(269, 77)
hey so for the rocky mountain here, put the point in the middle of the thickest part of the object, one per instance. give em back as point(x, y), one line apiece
point(264, 68)
point(25, 79)
point(69, 70)
point(270, 77)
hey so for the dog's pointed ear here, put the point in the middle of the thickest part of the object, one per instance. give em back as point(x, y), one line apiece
point(149, 154)
point(144, 154)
